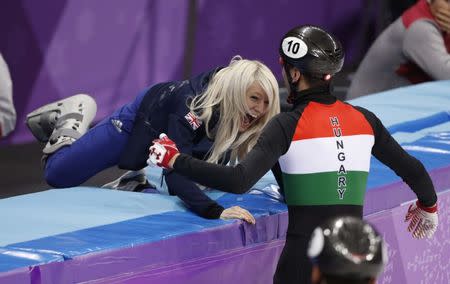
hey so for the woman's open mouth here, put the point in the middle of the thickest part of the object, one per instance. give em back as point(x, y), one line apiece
point(249, 119)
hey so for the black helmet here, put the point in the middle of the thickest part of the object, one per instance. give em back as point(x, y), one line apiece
point(313, 51)
point(348, 247)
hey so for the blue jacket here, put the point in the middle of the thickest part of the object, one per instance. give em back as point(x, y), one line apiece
point(164, 109)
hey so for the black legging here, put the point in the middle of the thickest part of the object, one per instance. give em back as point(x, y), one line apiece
point(294, 266)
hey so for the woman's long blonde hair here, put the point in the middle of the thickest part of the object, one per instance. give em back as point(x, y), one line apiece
point(226, 92)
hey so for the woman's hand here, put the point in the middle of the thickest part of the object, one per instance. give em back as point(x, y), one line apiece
point(443, 19)
point(441, 13)
point(163, 152)
point(237, 212)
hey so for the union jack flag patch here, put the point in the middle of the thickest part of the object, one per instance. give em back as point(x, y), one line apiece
point(193, 120)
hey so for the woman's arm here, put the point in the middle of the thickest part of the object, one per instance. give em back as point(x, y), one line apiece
point(424, 45)
point(179, 185)
point(273, 142)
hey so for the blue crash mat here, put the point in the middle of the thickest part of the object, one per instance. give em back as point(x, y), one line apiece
point(56, 225)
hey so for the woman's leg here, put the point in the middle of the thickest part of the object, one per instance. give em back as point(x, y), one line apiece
point(98, 149)
point(95, 151)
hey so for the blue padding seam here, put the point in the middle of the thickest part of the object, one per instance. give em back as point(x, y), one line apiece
point(422, 123)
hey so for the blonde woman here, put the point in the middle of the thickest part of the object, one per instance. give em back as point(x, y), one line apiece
point(216, 116)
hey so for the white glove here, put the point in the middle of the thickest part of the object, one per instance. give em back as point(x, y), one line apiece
point(423, 220)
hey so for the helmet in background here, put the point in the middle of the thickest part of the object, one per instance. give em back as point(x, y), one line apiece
point(348, 247)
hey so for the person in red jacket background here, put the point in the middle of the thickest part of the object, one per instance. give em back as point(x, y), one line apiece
point(413, 49)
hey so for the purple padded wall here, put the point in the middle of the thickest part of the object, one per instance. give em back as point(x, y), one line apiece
point(253, 29)
point(414, 260)
point(112, 49)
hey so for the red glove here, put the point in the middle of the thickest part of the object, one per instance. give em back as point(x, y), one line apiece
point(162, 151)
point(423, 220)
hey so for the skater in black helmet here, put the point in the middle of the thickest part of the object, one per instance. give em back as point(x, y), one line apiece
point(319, 152)
point(346, 250)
